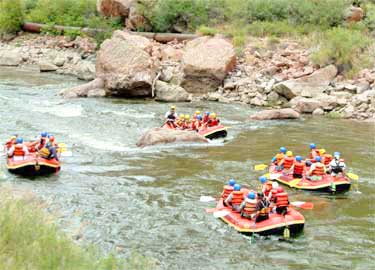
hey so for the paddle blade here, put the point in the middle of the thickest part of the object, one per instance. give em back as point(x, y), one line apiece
point(294, 182)
point(303, 205)
point(353, 176)
point(274, 176)
point(268, 175)
point(260, 167)
point(206, 199)
point(219, 214)
point(213, 210)
point(62, 148)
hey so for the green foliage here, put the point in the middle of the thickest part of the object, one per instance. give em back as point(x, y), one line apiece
point(28, 240)
point(11, 16)
point(343, 47)
point(369, 20)
point(63, 12)
point(106, 26)
point(207, 31)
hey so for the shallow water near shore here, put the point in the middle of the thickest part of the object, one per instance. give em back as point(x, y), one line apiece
point(116, 196)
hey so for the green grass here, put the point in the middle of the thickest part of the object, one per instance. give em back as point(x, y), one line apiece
point(11, 16)
point(29, 240)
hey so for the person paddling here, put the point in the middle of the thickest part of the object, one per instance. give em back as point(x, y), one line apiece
point(18, 150)
point(228, 189)
point(337, 165)
point(317, 170)
point(249, 206)
point(281, 201)
point(298, 168)
point(262, 208)
point(171, 117)
point(235, 199)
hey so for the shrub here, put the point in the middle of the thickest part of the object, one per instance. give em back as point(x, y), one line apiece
point(11, 16)
point(343, 47)
point(29, 240)
point(207, 31)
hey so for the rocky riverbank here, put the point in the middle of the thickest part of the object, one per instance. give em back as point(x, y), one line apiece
point(58, 54)
point(268, 73)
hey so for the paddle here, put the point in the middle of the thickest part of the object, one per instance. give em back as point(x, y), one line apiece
point(220, 214)
point(355, 179)
point(213, 210)
point(63, 150)
point(294, 182)
point(286, 232)
point(260, 167)
point(303, 205)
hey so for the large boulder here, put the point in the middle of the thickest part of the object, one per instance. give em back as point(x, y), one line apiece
point(94, 88)
point(125, 66)
point(9, 58)
point(308, 86)
point(86, 71)
point(164, 136)
point(286, 113)
point(170, 92)
point(206, 62)
point(305, 105)
point(114, 8)
point(45, 66)
point(354, 14)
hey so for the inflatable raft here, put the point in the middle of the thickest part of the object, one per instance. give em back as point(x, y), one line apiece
point(328, 183)
point(211, 133)
point(32, 165)
point(274, 225)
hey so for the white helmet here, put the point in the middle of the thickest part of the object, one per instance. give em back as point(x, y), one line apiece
point(275, 185)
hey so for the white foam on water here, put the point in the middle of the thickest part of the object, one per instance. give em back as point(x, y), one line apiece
point(131, 114)
point(59, 110)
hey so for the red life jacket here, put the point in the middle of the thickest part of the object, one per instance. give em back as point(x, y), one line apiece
point(18, 150)
point(250, 207)
point(282, 199)
point(9, 144)
point(298, 167)
point(227, 190)
point(237, 198)
point(213, 122)
point(327, 158)
point(288, 162)
point(268, 187)
point(206, 118)
point(319, 169)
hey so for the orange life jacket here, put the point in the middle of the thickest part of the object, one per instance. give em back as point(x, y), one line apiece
point(206, 118)
point(250, 207)
point(227, 190)
point(9, 144)
point(319, 169)
point(298, 167)
point(273, 194)
point(18, 150)
point(288, 162)
point(279, 158)
point(237, 198)
point(282, 199)
point(314, 153)
point(327, 158)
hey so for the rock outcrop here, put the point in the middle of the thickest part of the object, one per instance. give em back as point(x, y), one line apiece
point(10, 58)
point(170, 92)
point(114, 8)
point(164, 136)
point(274, 114)
point(125, 66)
point(308, 86)
point(94, 88)
point(206, 62)
point(354, 14)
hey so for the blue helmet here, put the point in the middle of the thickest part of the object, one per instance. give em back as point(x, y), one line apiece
point(199, 117)
point(298, 158)
point(283, 150)
point(232, 182)
point(207, 113)
point(312, 145)
point(318, 159)
point(19, 140)
point(273, 159)
point(337, 154)
point(251, 195)
point(43, 134)
point(263, 179)
point(237, 187)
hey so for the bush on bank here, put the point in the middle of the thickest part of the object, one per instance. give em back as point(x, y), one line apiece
point(28, 240)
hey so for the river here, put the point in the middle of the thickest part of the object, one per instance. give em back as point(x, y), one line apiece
point(118, 197)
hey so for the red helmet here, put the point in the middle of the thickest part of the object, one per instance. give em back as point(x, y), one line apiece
point(280, 190)
point(52, 138)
